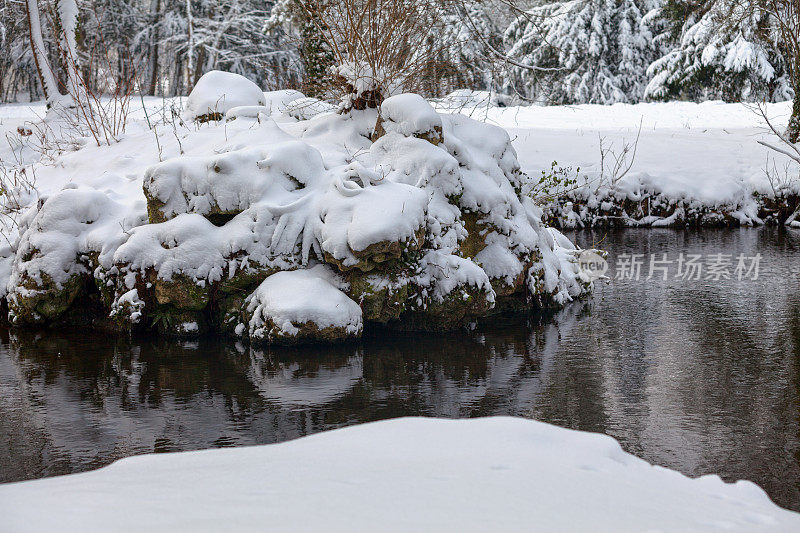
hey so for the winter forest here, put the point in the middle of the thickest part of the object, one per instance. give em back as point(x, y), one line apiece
point(578, 51)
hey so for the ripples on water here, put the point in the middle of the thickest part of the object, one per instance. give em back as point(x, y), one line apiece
point(700, 376)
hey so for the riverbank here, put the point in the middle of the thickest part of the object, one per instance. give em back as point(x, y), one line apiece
point(499, 474)
point(680, 163)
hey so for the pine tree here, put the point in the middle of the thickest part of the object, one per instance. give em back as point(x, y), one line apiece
point(720, 49)
point(586, 51)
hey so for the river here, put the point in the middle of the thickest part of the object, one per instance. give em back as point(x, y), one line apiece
point(690, 372)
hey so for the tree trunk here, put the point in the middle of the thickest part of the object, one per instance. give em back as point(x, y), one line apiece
point(66, 22)
point(793, 131)
point(43, 68)
point(155, 9)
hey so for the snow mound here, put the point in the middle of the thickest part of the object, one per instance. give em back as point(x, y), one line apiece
point(303, 304)
point(409, 114)
point(407, 474)
point(421, 216)
point(217, 92)
point(277, 101)
point(306, 108)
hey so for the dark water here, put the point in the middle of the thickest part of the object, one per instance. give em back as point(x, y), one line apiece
point(698, 375)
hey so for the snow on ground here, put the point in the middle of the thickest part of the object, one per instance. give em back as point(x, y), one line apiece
point(706, 152)
point(410, 474)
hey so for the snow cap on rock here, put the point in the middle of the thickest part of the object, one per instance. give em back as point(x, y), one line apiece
point(409, 114)
point(217, 92)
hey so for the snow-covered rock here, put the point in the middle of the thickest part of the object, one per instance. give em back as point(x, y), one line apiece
point(217, 92)
point(408, 474)
point(303, 305)
point(425, 226)
point(410, 115)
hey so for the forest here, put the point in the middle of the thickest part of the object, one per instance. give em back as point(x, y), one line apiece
point(539, 51)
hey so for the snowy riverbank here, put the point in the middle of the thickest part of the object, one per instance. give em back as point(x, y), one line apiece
point(491, 474)
point(705, 155)
point(703, 158)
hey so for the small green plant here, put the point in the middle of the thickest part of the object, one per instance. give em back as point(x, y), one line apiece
point(163, 318)
point(553, 183)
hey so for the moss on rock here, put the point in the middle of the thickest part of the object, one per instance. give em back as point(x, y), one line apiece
point(167, 320)
point(463, 303)
point(381, 299)
point(477, 231)
point(182, 292)
point(306, 333)
point(229, 313)
point(44, 301)
point(384, 256)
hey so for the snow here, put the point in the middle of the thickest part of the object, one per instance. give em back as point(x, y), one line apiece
point(277, 101)
point(300, 191)
point(409, 474)
point(704, 152)
point(306, 108)
point(286, 300)
point(218, 92)
point(409, 114)
point(466, 98)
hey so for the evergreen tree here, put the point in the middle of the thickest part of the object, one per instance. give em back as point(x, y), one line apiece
point(720, 49)
point(297, 18)
point(584, 51)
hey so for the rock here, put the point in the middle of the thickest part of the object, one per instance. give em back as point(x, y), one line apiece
point(381, 298)
point(477, 231)
point(36, 302)
point(449, 290)
point(244, 280)
point(461, 304)
point(216, 92)
point(180, 292)
point(302, 306)
point(383, 256)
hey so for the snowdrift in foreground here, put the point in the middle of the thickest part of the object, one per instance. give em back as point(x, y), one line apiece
point(409, 474)
point(401, 216)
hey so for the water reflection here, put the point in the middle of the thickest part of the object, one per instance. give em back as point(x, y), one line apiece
point(699, 376)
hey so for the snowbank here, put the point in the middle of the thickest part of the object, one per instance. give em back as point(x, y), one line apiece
point(410, 474)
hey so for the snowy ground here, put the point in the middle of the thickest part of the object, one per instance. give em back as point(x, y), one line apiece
point(706, 151)
point(412, 474)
